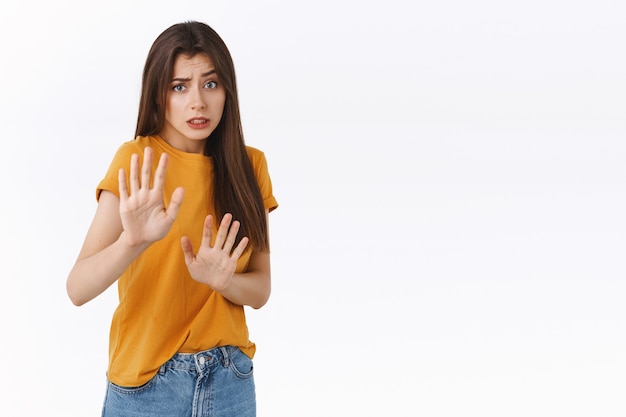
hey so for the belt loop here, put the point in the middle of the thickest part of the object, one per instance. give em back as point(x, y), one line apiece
point(162, 370)
point(226, 358)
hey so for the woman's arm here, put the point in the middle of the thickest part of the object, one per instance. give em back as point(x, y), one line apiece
point(105, 253)
point(215, 265)
point(252, 287)
point(123, 228)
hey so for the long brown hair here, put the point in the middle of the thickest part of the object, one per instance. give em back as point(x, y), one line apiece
point(236, 189)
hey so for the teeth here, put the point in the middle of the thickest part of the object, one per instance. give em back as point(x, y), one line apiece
point(198, 122)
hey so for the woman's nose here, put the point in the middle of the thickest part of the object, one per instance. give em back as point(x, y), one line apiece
point(197, 101)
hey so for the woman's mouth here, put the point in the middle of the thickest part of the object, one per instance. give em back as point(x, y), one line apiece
point(198, 123)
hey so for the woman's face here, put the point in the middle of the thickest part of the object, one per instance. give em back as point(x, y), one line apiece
point(194, 103)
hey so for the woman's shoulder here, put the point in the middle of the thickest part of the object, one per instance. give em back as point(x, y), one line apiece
point(252, 151)
point(136, 145)
point(139, 143)
point(133, 144)
point(256, 155)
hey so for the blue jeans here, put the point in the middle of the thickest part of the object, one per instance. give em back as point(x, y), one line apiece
point(218, 383)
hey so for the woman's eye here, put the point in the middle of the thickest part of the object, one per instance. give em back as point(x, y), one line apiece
point(210, 84)
point(178, 87)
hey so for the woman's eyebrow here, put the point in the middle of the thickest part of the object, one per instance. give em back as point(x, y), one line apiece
point(206, 74)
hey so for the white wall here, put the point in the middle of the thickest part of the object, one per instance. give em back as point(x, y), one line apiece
point(451, 235)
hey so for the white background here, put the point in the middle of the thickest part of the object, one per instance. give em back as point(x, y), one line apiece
point(451, 232)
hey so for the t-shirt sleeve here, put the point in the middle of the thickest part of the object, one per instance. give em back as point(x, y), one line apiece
point(259, 164)
point(120, 160)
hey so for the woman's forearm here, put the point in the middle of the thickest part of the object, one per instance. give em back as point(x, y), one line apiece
point(93, 274)
point(249, 288)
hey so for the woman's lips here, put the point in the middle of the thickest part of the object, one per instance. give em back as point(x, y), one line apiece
point(198, 123)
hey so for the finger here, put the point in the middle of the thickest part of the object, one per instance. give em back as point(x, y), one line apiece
point(146, 168)
point(241, 247)
point(123, 187)
point(159, 175)
point(232, 236)
point(187, 247)
point(207, 231)
point(133, 177)
point(222, 232)
point(175, 202)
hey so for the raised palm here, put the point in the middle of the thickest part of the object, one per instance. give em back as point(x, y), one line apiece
point(214, 264)
point(145, 219)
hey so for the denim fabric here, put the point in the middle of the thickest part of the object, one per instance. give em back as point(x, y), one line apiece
point(218, 383)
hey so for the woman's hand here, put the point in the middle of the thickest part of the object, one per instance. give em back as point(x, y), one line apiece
point(215, 265)
point(144, 216)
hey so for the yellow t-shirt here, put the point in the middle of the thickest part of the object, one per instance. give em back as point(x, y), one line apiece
point(162, 310)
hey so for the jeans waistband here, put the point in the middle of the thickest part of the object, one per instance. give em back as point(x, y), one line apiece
point(201, 360)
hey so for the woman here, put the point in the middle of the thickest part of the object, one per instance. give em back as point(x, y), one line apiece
point(179, 342)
